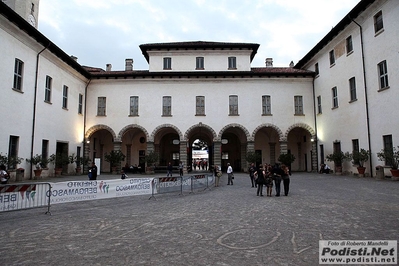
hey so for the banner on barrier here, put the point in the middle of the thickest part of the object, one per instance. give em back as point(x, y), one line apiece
point(71, 191)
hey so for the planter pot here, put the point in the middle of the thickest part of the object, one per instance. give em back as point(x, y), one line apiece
point(338, 170)
point(58, 171)
point(361, 171)
point(150, 170)
point(113, 169)
point(395, 174)
point(78, 170)
point(38, 173)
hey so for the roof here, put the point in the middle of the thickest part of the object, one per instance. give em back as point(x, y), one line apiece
point(198, 45)
point(254, 72)
point(348, 19)
point(23, 25)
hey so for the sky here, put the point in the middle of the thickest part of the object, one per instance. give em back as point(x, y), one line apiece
point(100, 32)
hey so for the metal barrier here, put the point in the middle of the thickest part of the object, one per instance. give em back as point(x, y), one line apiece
point(181, 184)
point(25, 196)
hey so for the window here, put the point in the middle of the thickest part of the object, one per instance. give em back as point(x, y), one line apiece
point(332, 57)
point(352, 89)
point(388, 148)
point(225, 155)
point(134, 106)
point(233, 105)
point(65, 97)
point(322, 153)
point(13, 152)
point(47, 91)
point(167, 63)
point(349, 45)
point(378, 22)
point(101, 106)
point(319, 110)
point(45, 150)
point(232, 63)
point(334, 97)
point(266, 105)
point(316, 69)
point(383, 73)
point(167, 106)
point(80, 105)
point(199, 63)
point(298, 105)
point(18, 68)
point(200, 105)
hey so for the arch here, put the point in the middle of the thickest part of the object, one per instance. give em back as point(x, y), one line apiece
point(278, 130)
point(300, 125)
point(158, 128)
point(234, 125)
point(96, 128)
point(133, 126)
point(199, 125)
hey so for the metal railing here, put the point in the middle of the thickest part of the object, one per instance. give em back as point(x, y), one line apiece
point(25, 196)
point(181, 184)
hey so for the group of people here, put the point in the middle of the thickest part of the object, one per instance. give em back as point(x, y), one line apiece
point(264, 175)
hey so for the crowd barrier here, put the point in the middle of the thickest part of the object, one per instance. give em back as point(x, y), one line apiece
point(33, 195)
point(25, 196)
point(181, 184)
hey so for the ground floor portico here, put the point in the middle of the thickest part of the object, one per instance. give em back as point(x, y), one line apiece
point(228, 145)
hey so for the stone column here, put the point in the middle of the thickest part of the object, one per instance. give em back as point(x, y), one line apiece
point(217, 154)
point(183, 155)
point(315, 164)
point(273, 158)
point(243, 164)
point(250, 148)
point(117, 147)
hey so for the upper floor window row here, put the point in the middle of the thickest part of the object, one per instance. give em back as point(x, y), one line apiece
point(200, 63)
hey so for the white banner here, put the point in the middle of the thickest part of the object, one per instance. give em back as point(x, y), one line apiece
point(71, 191)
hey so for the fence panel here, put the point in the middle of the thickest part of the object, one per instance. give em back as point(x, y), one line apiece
point(25, 196)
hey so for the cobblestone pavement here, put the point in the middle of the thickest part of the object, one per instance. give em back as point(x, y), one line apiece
point(227, 225)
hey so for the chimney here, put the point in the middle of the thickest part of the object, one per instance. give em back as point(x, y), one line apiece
point(292, 64)
point(108, 67)
point(269, 62)
point(74, 58)
point(128, 64)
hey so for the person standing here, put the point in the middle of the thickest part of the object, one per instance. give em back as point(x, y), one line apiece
point(260, 180)
point(286, 179)
point(93, 171)
point(229, 174)
point(169, 169)
point(269, 180)
point(277, 174)
point(252, 170)
point(181, 166)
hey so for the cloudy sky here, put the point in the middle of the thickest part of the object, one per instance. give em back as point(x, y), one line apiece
point(99, 32)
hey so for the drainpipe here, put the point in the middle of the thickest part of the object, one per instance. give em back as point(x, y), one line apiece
point(34, 109)
point(315, 125)
point(84, 123)
point(365, 93)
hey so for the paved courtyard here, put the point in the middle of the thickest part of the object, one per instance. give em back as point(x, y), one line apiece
point(228, 225)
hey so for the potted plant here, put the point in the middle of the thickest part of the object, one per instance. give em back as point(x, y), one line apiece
point(253, 157)
point(286, 158)
point(338, 158)
point(391, 158)
point(81, 161)
point(150, 159)
point(39, 162)
point(114, 158)
point(359, 158)
point(59, 160)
